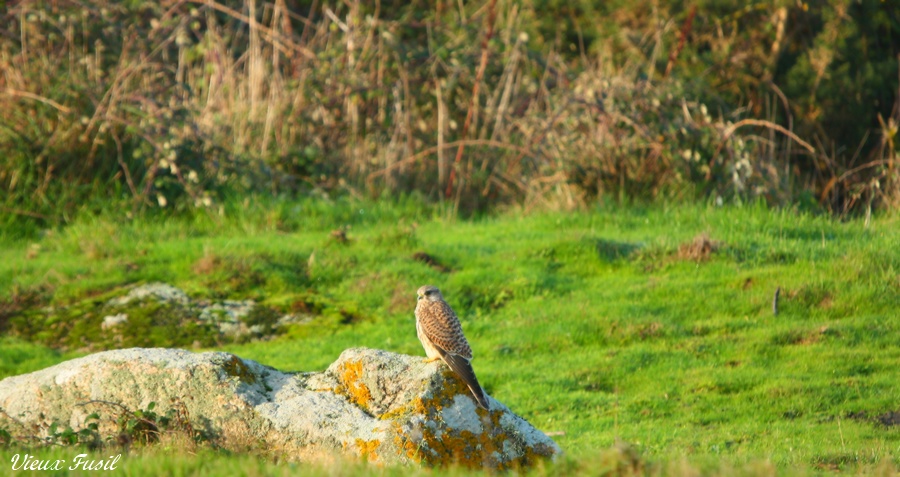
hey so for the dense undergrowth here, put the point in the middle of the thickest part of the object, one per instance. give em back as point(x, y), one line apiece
point(137, 105)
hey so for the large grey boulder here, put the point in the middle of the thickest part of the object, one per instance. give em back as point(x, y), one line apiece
point(381, 406)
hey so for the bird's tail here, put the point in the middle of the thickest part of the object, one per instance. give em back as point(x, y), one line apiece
point(463, 368)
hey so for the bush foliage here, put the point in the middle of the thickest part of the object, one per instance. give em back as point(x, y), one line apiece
point(176, 105)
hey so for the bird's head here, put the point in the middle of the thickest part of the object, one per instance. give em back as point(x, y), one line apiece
point(429, 293)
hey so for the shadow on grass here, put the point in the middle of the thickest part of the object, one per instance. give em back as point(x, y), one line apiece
point(612, 250)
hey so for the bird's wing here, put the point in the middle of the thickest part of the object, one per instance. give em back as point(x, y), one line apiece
point(463, 368)
point(443, 329)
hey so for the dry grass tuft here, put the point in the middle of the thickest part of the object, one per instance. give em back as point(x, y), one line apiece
point(195, 100)
point(207, 264)
point(339, 236)
point(700, 249)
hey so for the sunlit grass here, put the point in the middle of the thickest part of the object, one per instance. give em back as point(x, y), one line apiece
point(598, 327)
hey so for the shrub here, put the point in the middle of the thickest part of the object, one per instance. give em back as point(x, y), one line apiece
point(145, 106)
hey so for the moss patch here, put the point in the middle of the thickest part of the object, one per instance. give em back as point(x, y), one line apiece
point(235, 366)
point(81, 326)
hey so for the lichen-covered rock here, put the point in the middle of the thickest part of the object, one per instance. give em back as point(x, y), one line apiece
point(161, 292)
point(381, 406)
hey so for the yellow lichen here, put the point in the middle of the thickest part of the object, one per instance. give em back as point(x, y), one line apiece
point(420, 407)
point(368, 449)
point(444, 445)
point(453, 385)
point(349, 374)
point(441, 445)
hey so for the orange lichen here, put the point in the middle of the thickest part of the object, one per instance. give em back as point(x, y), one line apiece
point(349, 374)
point(368, 449)
point(435, 443)
point(453, 385)
point(446, 446)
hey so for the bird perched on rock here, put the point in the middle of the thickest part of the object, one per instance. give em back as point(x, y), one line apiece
point(442, 337)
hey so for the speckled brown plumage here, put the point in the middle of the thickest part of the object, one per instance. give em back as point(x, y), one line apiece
point(438, 328)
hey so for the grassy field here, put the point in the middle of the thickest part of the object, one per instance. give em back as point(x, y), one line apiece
point(652, 326)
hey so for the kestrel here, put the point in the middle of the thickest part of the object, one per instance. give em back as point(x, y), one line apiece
point(442, 337)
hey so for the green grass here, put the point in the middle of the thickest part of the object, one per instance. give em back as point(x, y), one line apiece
point(591, 325)
point(18, 356)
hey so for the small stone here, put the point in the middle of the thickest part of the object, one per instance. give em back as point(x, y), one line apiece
point(113, 321)
point(162, 292)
